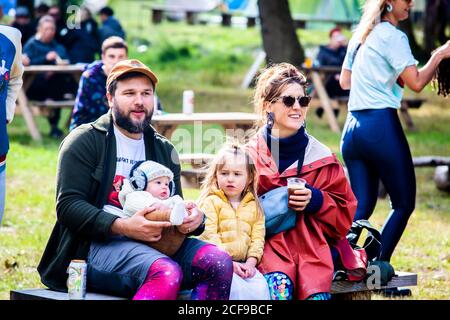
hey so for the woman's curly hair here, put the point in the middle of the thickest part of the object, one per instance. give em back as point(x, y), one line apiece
point(442, 78)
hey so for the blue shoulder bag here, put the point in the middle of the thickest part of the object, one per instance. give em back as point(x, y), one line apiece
point(278, 216)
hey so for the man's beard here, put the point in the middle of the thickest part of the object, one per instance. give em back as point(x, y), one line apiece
point(124, 120)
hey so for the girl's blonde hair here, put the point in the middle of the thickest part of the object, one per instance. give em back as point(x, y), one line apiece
point(271, 83)
point(373, 10)
point(210, 183)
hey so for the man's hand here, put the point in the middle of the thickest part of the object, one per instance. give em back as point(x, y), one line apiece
point(138, 227)
point(300, 199)
point(51, 56)
point(193, 220)
point(25, 60)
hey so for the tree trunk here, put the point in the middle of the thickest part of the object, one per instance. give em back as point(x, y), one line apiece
point(278, 33)
point(436, 21)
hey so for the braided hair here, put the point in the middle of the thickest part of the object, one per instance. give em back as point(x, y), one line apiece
point(442, 78)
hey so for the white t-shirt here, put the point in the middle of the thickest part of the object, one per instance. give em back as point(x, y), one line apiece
point(376, 67)
point(129, 151)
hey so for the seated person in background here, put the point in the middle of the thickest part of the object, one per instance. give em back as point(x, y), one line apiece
point(91, 102)
point(42, 49)
point(39, 11)
point(61, 26)
point(110, 25)
point(81, 43)
point(22, 21)
point(333, 54)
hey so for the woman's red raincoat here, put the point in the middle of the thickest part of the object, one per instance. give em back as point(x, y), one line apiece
point(303, 252)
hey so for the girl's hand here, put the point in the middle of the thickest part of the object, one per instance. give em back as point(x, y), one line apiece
point(250, 267)
point(300, 199)
point(238, 269)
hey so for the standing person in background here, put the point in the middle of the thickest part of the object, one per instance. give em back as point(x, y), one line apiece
point(91, 101)
point(11, 70)
point(110, 25)
point(377, 65)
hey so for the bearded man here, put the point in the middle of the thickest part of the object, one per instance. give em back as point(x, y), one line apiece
point(119, 261)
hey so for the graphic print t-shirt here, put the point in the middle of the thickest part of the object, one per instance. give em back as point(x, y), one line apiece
point(129, 151)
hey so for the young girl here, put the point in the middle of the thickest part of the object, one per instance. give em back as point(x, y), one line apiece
point(235, 221)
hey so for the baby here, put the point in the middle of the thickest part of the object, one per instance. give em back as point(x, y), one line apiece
point(149, 184)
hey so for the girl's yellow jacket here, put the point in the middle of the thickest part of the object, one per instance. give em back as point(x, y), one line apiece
point(239, 232)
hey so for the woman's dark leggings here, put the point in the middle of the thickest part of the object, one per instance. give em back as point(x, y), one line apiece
point(374, 148)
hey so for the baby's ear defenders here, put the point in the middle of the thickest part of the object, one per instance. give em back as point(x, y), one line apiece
point(138, 179)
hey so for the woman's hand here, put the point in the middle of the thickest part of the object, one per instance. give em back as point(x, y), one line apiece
point(300, 199)
point(444, 50)
point(193, 220)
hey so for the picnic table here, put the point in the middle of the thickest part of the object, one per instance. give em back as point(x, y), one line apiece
point(319, 76)
point(30, 73)
point(166, 124)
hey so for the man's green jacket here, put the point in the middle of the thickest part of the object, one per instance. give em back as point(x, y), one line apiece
point(84, 180)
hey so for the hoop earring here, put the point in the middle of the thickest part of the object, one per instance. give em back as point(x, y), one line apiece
point(270, 120)
point(389, 7)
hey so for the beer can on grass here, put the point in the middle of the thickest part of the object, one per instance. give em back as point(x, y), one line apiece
point(76, 281)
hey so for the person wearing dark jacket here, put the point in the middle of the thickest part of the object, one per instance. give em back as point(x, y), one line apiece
point(42, 49)
point(91, 102)
point(333, 54)
point(110, 25)
point(22, 21)
point(92, 159)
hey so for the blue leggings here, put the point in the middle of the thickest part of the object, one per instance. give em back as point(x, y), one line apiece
point(374, 148)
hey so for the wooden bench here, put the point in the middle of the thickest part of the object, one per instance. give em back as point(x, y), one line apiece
point(341, 290)
point(47, 105)
point(192, 178)
point(301, 20)
point(158, 12)
point(442, 172)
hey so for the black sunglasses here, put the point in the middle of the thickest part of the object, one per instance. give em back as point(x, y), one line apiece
point(289, 101)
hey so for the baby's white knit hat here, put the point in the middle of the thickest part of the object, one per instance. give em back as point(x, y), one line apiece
point(147, 171)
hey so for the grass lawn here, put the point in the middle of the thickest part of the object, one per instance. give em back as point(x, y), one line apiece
point(213, 62)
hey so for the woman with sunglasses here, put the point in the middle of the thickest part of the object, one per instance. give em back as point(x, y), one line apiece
point(377, 65)
point(297, 262)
